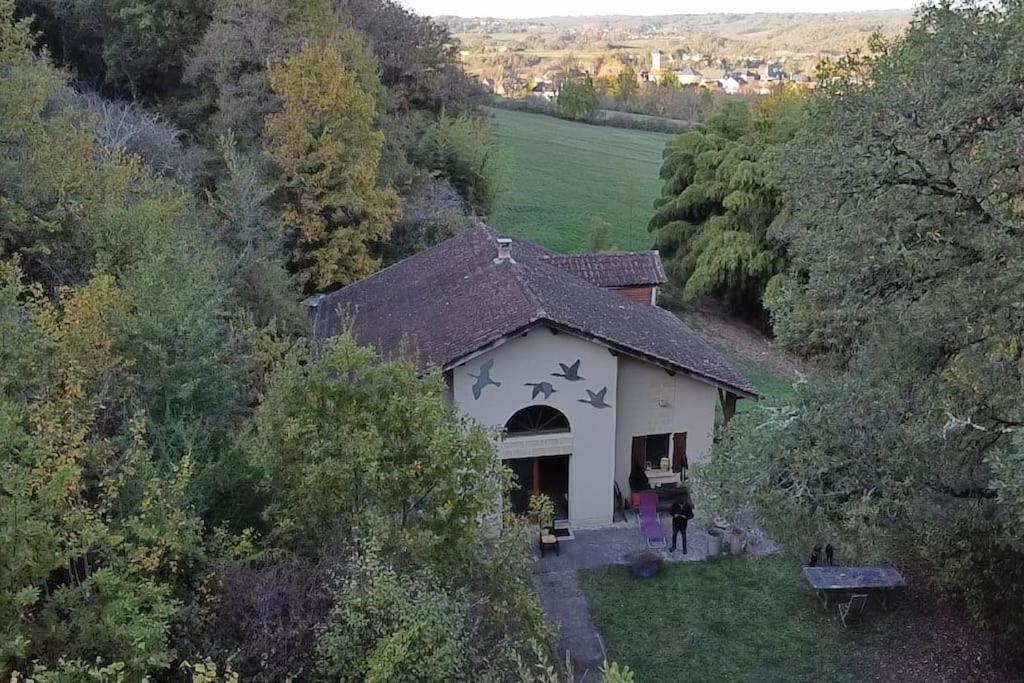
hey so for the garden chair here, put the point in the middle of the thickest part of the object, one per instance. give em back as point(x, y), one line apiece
point(854, 609)
point(650, 520)
point(548, 540)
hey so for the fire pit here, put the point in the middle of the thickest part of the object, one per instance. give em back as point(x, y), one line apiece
point(644, 564)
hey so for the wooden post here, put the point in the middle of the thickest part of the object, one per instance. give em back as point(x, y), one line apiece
point(728, 406)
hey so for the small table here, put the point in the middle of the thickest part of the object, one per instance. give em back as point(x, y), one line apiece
point(829, 581)
point(661, 477)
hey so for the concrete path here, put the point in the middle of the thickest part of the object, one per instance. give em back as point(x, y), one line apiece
point(566, 607)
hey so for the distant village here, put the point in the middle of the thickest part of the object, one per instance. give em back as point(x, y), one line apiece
point(751, 76)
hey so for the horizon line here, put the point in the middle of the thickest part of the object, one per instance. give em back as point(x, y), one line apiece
point(676, 14)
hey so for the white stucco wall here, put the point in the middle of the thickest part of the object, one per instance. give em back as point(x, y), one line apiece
point(644, 398)
point(533, 358)
point(650, 401)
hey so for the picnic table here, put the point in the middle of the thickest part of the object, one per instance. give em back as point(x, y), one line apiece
point(842, 581)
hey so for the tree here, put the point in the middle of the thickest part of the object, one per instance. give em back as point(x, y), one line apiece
point(579, 101)
point(715, 221)
point(906, 244)
point(138, 47)
point(668, 79)
point(96, 531)
point(102, 370)
point(625, 85)
point(418, 58)
point(350, 442)
point(391, 627)
point(328, 150)
point(462, 150)
point(366, 452)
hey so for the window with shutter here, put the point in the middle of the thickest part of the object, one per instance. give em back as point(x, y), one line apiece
point(679, 461)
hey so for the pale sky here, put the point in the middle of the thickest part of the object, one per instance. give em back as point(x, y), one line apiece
point(548, 8)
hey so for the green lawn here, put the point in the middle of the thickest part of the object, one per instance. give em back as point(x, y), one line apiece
point(726, 619)
point(561, 177)
point(769, 382)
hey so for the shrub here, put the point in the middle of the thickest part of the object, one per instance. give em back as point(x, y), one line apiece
point(268, 615)
point(125, 127)
point(579, 101)
point(395, 627)
point(464, 151)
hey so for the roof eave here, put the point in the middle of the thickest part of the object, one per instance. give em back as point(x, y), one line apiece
point(663, 363)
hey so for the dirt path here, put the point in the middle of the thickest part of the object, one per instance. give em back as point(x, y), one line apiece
point(740, 340)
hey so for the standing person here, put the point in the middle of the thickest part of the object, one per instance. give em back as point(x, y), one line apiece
point(682, 512)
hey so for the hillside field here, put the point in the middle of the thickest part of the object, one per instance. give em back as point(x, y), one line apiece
point(562, 177)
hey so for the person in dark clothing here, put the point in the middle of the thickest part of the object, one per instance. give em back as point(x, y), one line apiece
point(638, 479)
point(682, 512)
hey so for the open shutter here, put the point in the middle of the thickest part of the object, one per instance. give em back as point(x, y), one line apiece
point(639, 453)
point(679, 462)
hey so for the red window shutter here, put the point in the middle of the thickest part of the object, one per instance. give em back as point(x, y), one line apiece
point(639, 454)
point(679, 462)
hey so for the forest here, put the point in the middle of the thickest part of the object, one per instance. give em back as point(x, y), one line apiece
point(876, 230)
point(174, 178)
point(190, 492)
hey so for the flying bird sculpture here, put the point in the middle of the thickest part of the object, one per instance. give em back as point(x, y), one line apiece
point(569, 372)
point(541, 388)
point(483, 379)
point(596, 399)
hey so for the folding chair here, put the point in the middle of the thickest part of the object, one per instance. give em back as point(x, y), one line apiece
point(854, 609)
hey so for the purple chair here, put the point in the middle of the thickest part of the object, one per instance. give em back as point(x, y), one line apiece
point(650, 520)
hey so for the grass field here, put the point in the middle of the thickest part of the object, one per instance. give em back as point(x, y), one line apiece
point(562, 177)
point(719, 620)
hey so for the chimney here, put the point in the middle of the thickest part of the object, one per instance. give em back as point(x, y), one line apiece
point(504, 251)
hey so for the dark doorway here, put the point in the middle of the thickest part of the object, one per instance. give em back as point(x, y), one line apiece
point(549, 475)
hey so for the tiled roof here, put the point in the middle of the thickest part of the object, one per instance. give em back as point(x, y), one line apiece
point(445, 303)
point(624, 269)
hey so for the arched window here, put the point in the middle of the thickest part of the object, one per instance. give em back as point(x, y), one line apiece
point(537, 420)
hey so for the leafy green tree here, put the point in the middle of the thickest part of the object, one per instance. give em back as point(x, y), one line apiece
point(668, 79)
point(715, 223)
point(348, 442)
point(328, 150)
point(99, 534)
point(249, 228)
point(464, 151)
point(391, 627)
point(579, 101)
point(136, 46)
point(625, 85)
point(356, 450)
point(906, 243)
point(110, 367)
point(418, 58)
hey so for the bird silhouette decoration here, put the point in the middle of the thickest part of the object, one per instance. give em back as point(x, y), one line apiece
point(569, 372)
point(596, 399)
point(483, 380)
point(541, 388)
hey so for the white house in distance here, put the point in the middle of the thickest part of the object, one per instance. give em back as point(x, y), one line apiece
point(688, 76)
point(567, 355)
